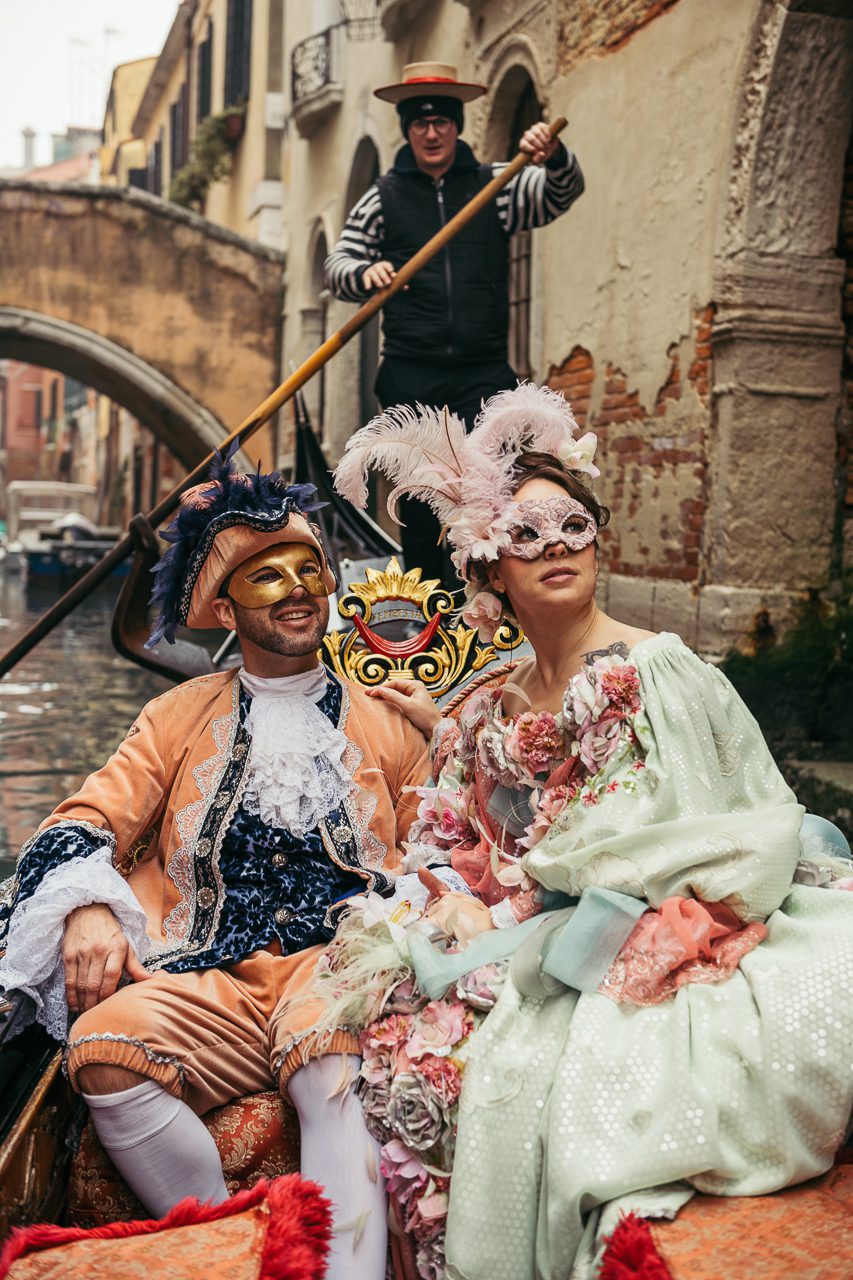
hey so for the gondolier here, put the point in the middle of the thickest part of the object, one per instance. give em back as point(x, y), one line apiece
point(206, 859)
point(445, 337)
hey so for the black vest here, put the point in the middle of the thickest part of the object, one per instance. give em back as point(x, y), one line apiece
point(456, 310)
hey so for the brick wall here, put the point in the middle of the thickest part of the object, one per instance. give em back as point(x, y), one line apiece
point(653, 458)
point(588, 27)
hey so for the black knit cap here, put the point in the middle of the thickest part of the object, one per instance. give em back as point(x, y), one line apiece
point(430, 105)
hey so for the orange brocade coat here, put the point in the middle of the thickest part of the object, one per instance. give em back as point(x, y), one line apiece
point(164, 801)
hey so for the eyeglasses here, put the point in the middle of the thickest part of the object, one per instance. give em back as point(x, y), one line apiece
point(421, 127)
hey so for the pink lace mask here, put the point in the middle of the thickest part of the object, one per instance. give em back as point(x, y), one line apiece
point(541, 522)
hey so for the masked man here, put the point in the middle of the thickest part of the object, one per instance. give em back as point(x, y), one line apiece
point(205, 861)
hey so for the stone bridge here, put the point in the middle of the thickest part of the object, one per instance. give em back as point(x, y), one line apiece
point(174, 318)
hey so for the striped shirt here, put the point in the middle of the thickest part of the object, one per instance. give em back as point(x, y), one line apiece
point(535, 196)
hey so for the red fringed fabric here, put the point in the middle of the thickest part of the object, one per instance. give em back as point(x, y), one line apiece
point(297, 1228)
point(631, 1254)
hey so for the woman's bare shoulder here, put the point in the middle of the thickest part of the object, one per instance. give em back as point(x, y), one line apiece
point(618, 639)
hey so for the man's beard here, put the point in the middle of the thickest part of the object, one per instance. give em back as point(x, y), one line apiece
point(263, 632)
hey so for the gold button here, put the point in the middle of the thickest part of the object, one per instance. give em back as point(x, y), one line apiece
point(282, 915)
point(206, 897)
point(279, 859)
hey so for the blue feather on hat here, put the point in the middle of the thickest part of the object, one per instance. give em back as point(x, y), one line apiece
point(226, 498)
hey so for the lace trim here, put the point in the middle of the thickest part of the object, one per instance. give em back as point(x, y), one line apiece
point(297, 771)
point(181, 866)
point(33, 961)
point(162, 1059)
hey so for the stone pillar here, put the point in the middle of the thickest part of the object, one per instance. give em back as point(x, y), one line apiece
point(777, 334)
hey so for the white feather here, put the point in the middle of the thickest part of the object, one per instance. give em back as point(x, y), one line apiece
point(421, 450)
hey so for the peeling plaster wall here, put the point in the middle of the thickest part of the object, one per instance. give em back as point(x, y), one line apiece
point(651, 123)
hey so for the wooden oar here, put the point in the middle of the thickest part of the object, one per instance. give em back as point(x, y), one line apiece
point(168, 505)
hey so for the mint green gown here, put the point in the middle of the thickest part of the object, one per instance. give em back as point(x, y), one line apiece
point(576, 1106)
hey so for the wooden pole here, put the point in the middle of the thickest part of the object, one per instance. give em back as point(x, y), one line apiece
point(169, 504)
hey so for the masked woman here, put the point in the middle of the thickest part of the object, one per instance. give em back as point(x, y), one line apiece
point(640, 996)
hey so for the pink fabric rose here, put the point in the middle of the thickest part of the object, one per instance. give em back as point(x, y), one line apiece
point(438, 1027)
point(535, 741)
point(383, 1046)
point(443, 1076)
point(621, 684)
point(483, 611)
point(600, 740)
point(403, 1170)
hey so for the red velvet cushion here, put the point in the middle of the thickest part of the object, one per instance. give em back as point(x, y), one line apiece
point(276, 1231)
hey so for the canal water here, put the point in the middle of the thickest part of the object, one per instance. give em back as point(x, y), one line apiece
point(63, 709)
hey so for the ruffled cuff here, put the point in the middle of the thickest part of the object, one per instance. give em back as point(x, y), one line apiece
point(33, 961)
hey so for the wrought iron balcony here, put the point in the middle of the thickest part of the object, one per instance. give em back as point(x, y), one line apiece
point(316, 90)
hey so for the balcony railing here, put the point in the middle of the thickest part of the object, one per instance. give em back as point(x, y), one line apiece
point(311, 65)
point(315, 90)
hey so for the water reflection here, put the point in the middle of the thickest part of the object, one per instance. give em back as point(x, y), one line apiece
point(63, 709)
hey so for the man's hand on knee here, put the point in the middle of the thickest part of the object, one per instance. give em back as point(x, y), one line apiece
point(95, 954)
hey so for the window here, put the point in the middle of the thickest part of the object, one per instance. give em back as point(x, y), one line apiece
point(205, 76)
point(238, 46)
point(155, 167)
point(527, 112)
point(178, 132)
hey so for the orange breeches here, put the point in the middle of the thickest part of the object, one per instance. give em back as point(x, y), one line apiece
point(210, 1035)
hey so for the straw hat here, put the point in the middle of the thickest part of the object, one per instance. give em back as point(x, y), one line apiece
point(423, 78)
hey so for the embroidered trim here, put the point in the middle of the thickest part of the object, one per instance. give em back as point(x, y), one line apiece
point(295, 1041)
point(135, 853)
point(267, 522)
point(182, 867)
point(162, 1059)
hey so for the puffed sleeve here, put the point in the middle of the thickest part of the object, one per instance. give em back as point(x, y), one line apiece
point(692, 804)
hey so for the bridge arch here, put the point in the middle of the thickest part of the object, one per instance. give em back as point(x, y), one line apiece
point(186, 427)
point(174, 318)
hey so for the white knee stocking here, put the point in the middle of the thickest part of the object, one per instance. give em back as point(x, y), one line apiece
point(339, 1153)
point(160, 1147)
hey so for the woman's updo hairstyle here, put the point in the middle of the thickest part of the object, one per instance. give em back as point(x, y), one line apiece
point(532, 465)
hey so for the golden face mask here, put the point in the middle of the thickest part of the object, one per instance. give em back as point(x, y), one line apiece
point(274, 573)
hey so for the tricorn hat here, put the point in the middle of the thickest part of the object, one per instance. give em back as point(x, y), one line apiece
point(423, 78)
point(221, 523)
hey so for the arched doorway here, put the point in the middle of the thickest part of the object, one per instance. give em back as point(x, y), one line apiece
point(516, 106)
point(315, 328)
point(364, 172)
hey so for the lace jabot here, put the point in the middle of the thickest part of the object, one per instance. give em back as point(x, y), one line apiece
point(296, 769)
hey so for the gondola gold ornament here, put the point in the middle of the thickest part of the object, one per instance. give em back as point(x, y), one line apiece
point(168, 505)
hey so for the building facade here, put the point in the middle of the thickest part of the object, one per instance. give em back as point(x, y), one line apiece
point(692, 305)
